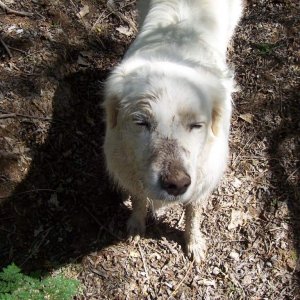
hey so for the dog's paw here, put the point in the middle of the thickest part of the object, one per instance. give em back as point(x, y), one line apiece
point(196, 250)
point(135, 228)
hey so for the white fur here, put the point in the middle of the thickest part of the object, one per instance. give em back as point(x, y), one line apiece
point(173, 75)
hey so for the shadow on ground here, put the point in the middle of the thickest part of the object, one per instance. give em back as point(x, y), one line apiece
point(284, 162)
point(55, 214)
point(66, 207)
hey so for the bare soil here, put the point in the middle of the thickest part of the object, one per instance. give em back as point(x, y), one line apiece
point(60, 214)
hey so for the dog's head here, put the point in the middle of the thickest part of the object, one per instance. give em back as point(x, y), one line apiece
point(163, 117)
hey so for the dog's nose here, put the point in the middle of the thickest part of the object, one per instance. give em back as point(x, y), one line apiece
point(175, 183)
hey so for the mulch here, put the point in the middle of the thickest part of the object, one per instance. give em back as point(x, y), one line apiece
point(60, 213)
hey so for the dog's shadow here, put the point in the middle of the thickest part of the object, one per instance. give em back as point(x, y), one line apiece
point(66, 206)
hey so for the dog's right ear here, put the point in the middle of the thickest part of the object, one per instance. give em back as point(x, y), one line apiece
point(113, 96)
point(111, 106)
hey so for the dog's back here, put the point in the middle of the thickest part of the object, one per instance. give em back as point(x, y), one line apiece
point(211, 21)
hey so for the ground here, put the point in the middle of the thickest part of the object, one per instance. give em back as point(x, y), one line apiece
point(60, 214)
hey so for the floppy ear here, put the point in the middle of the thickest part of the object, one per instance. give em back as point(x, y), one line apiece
point(111, 107)
point(113, 96)
point(222, 106)
point(216, 125)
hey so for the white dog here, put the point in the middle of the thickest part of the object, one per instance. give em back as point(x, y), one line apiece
point(168, 109)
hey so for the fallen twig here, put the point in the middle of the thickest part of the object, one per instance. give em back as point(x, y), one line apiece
point(6, 115)
point(36, 245)
point(96, 272)
point(234, 162)
point(27, 192)
point(15, 12)
point(99, 18)
point(101, 225)
point(16, 49)
point(111, 6)
point(292, 174)
point(144, 262)
point(182, 280)
point(104, 15)
point(181, 219)
point(8, 155)
point(6, 47)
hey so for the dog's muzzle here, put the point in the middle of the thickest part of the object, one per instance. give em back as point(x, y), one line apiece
point(175, 181)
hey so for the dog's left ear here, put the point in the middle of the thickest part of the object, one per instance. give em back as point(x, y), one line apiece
point(221, 114)
point(216, 125)
point(222, 106)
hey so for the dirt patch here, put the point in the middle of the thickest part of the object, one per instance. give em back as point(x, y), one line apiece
point(57, 205)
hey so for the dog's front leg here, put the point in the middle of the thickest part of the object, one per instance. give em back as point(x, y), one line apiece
point(136, 224)
point(195, 242)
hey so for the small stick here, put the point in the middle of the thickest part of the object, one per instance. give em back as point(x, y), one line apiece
point(27, 192)
point(111, 6)
point(98, 19)
point(15, 12)
point(103, 16)
point(16, 49)
point(101, 225)
point(181, 219)
point(5, 46)
point(144, 262)
point(241, 151)
point(6, 115)
point(8, 155)
point(291, 175)
point(101, 274)
point(183, 279)
point(36, 246)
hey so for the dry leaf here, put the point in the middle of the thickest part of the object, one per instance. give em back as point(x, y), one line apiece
point(234, 255)
point(87, 54)
point(82, 62)
point(84, 11)
point(247, 280)
point(38, 230)
point(236, 183)
point(216, 271)
point(237, 219)
point(53, 200)
point(125, 30)
point(208, 282)
point(247, 117)
point(134, 254)
point(155, 255)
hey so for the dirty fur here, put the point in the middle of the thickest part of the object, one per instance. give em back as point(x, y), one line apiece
point(168, 109)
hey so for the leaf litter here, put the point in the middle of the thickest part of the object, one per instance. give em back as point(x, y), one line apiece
point(56, 210)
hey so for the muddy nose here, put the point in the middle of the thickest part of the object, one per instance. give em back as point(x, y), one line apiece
point(176, 182)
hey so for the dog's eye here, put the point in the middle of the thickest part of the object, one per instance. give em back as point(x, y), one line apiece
point(143, 123)
point(195, 126)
